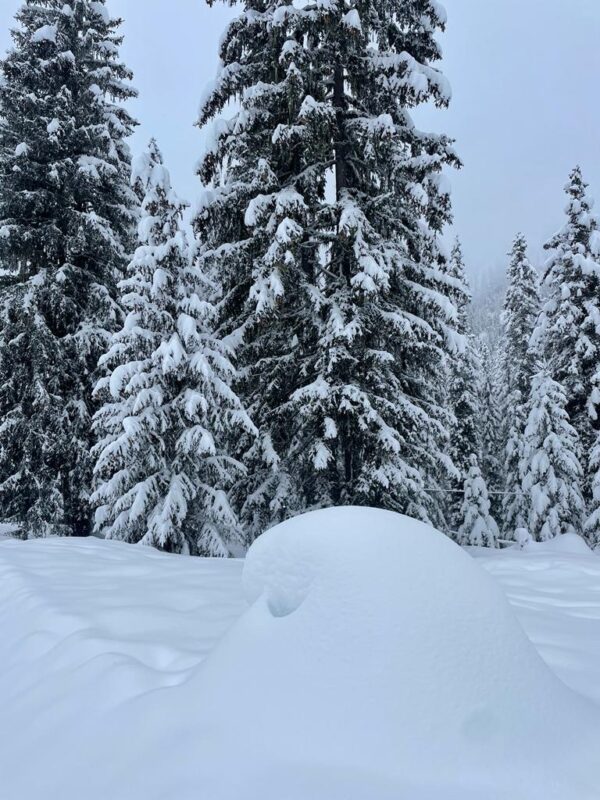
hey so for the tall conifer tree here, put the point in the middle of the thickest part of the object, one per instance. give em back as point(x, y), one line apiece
point(162, 471)
point(551, 470)
point(478, 528)
point(592, 523)
point(463, 397)
point(322, 218)
point(569, 329)
point(66, 218)
point(519, 318)
point(490, 423)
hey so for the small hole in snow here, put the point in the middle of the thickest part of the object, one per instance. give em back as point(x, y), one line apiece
point(282, 604)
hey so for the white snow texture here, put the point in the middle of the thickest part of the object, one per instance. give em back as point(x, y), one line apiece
point(373, 659)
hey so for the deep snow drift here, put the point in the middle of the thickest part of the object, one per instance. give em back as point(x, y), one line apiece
point(554, 588)
point(376, 661)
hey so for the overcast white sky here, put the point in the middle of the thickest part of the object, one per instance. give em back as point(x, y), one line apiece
point(526, 108)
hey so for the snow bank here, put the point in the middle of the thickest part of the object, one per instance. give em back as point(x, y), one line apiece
point(377, 661)
point(555, 595)
point(377, 647)
point(567, 543)
point(86, 627)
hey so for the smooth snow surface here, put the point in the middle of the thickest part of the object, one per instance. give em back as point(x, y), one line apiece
point(567, 543)
point(377, 661)
point(554, 588)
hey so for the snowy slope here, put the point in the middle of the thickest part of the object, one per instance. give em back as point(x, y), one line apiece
point(106, 692)
point(85, 627)
point(554, 590)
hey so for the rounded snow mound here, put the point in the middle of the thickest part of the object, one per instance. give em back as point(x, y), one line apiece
point(569, 543)
point(377, 653)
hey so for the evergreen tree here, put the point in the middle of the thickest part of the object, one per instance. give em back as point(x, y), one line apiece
point(592, 524)
point(463, 396)
point(514, 502)
point(490, 406)
point(478, 527)
point(521, 311)
point(458, 289)
point(519, 317)
point(551, 470)
point(162, 471)
point(336, 301)
point(66, 218)
point(568, 330)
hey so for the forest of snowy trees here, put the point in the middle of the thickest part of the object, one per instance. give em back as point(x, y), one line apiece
point(309, 339)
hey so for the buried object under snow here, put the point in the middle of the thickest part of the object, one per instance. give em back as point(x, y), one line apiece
point(379, 660)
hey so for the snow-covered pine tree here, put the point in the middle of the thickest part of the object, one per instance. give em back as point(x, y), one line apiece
point(162, 471)
point(386, 326)
point(520, 314)
point(592, 523)
point(519, 317)
point(551, 470)
point(67, 215)
point(333, 292)
point(463, 396)
point(490, 406)
point(478, 527)
point(253, 239)
point(514, 503)
point(569, 331)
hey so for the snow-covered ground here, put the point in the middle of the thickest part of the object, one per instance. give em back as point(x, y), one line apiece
point(361, 656)
point(554, 589)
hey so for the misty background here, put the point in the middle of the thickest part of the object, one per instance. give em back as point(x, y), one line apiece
point(526, 106)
